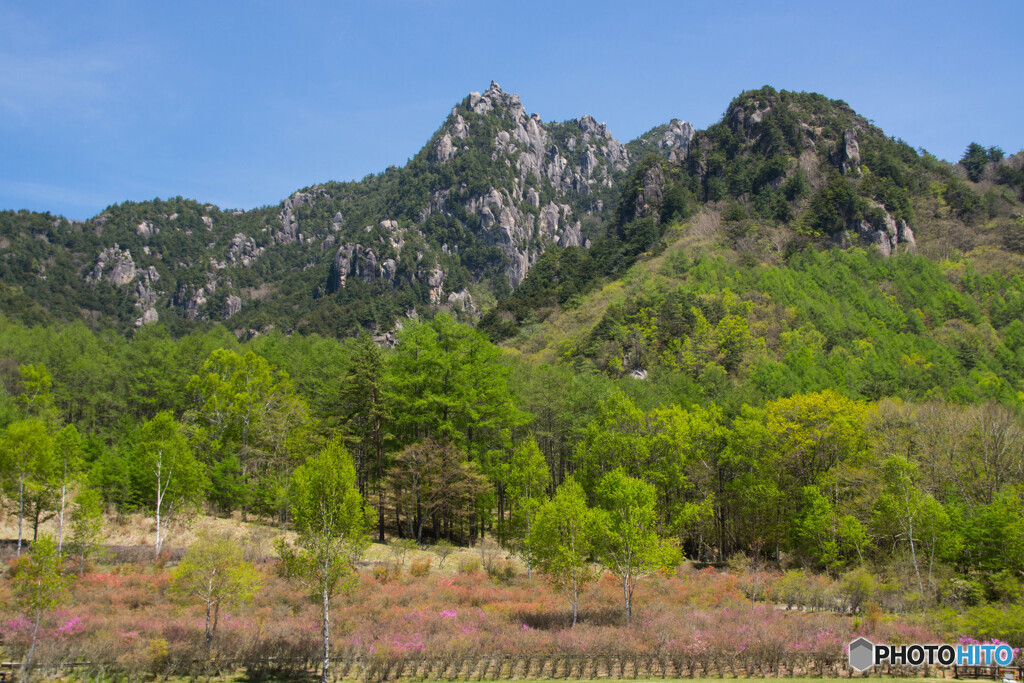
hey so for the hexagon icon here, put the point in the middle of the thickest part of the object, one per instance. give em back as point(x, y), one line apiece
point(862, 654)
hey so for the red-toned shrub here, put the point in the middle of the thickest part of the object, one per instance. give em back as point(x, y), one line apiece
point(420, 568)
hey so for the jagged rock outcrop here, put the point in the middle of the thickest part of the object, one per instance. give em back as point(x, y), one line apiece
point(568, 161)
point(847, 157)
point(651, 194)
point(243, 250)
point(887, 237)
point(149, 316)
point(232, 305)
point(115, 265)
point(675, 142)
point(146, 293)
point(352, 259)
point(190, 301)
point(445, 149)
point(289, 220)
point(435, 283)
point(462, 300)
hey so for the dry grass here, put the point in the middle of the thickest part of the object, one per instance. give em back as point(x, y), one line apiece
point(139, 531)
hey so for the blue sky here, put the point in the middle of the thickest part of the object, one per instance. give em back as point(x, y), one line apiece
point(242, 103)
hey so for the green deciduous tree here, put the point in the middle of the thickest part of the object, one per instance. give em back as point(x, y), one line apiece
point(245, 407)
point(168, 477)
point(214, 572)
point(36, 383)
point(26, 453)
point(332, 530)
point(899, 509)
point(367, 411)
point(526, 483)
point(448, 382)
point(629, 544)
point(86, 526)
point(39, 587)
point(68, 452)
point(562, 539)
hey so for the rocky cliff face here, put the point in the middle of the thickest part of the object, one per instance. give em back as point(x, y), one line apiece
point(502, 179)
point(551, 175)
point(491, 190)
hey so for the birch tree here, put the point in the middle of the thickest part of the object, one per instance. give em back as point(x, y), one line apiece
point(168, 475)
point(332, 531)
point(39, 587)
point(561, 541)
point(214, 572)
point(527, 482)
point(25, 449)
point(629, 544)
point(68, 451)
point(898, 509)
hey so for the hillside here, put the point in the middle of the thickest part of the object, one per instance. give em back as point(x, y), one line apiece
point(460, 223)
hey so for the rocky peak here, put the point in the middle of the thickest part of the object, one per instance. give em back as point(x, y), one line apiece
point(289, 220)
point(675, 142)
point(494, 99)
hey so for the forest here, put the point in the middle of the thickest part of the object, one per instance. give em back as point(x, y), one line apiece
point(806, 491)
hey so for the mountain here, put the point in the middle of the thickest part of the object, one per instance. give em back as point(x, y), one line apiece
point(503, 215)
point(462, 221)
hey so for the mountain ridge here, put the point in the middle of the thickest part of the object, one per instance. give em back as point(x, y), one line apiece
point(461, 225)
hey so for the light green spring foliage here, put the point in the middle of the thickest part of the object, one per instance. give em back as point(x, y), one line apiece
point(526, 483)
point(332, 526)
point(40, 586)
point(658, 446)
point(172, 481)
point(214, 573)
point(165, 466)
point(561, 541)
point(448, 382)
point(36, 383)
point(248, 424)
point(629, 544)
point(86, 526)
point(331, 522)
point(28, 467)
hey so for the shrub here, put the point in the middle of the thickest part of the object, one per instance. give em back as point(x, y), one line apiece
point(962, 592)
point(400, 549)
point(501, 571)
point(443, 549)
point(856, 588)
point(468, 565)
point(385, 573)
point(420, 567)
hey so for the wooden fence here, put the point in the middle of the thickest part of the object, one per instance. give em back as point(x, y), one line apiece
point(610, 666)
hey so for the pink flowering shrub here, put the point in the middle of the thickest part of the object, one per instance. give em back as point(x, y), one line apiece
point(700, 622)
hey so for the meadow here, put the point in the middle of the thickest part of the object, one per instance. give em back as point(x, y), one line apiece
point(472, 615)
